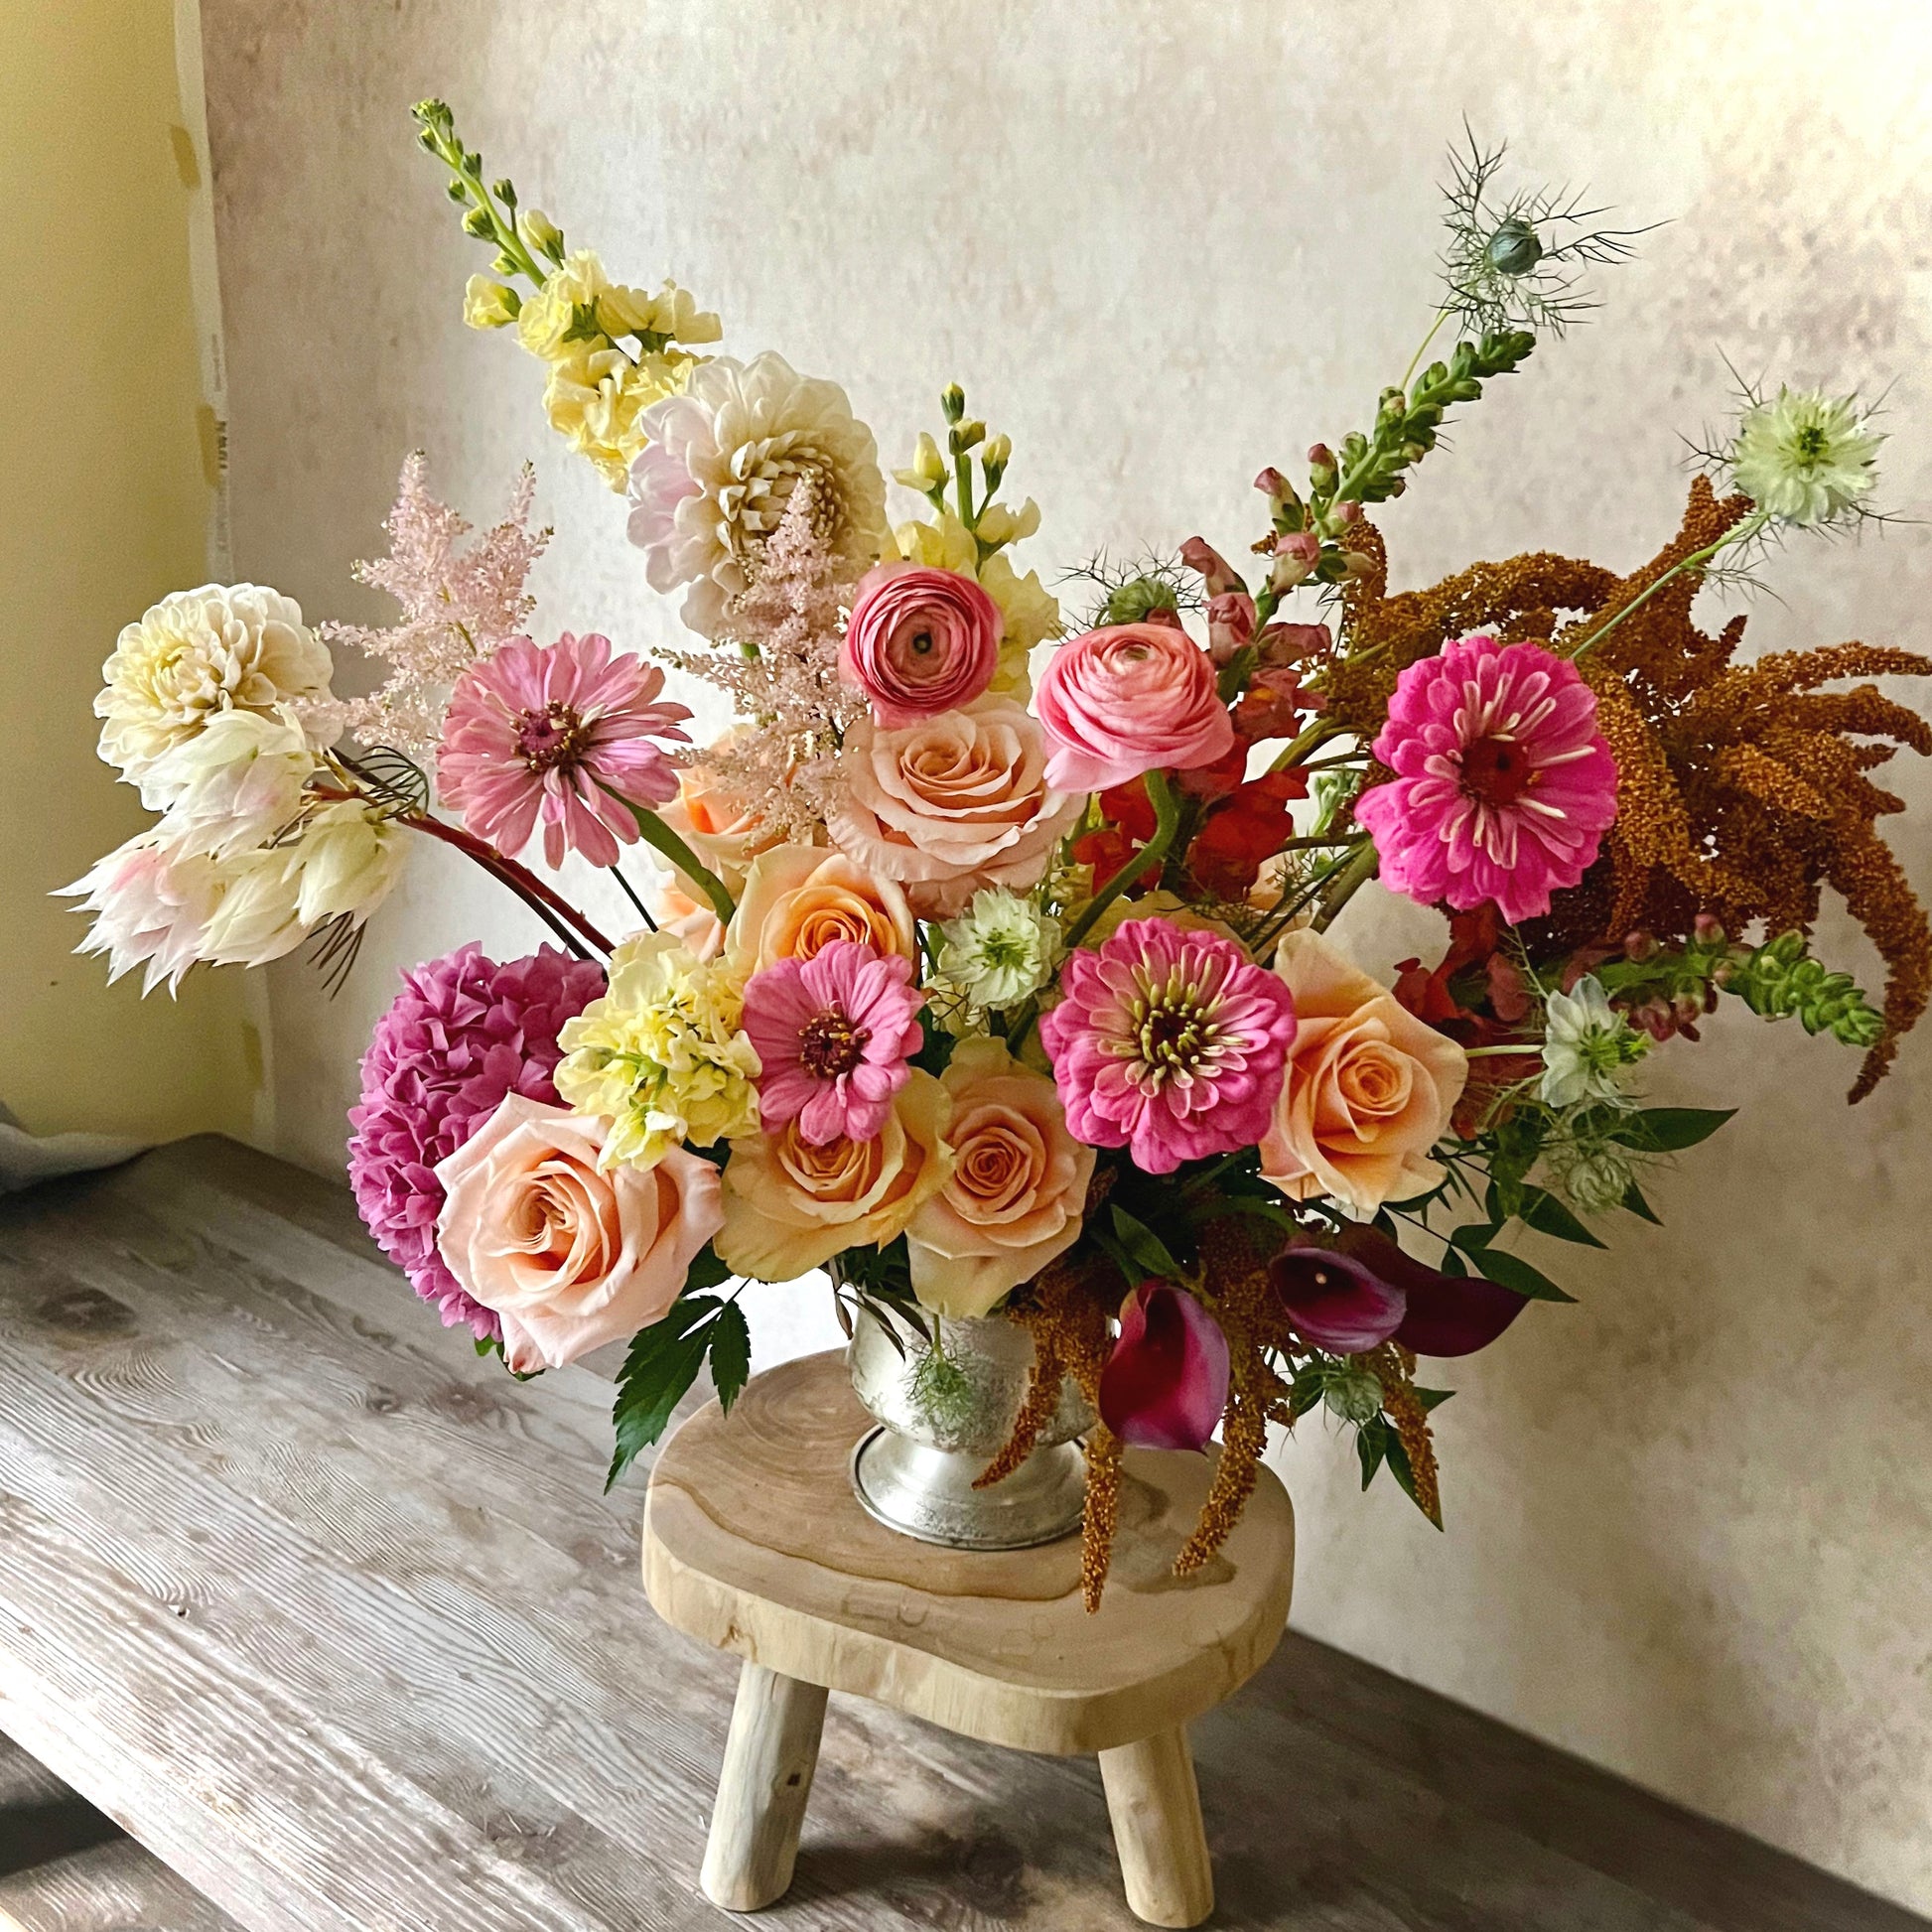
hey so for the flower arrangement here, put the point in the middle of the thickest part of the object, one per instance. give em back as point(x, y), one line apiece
point(989, 960)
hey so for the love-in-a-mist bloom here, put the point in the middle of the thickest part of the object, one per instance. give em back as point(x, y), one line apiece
point(560, 733)
point(1503, 785)
point(1169, 1043)
point(833, 1034)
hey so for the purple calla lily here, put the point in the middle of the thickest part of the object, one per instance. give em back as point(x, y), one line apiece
point(1337, 1302)
point(1166, 1382)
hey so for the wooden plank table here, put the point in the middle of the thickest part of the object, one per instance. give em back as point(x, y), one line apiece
point(334, 1618)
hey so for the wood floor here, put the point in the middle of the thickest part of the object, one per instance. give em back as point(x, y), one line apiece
point(336, 1618)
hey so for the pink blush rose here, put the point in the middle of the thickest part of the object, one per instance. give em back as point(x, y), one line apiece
point(1133, 697)
point(569, 1257)
point(921, 641)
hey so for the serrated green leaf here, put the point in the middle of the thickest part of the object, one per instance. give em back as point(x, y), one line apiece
point(1146, 1248)
point(705, 1271)
point(1666, 1130)
point(731, 1354)
point(649, 1391)
point(1514, 1272)
point(1633, 1199)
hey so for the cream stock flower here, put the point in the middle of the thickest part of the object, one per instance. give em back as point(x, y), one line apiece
point(1369, 1087)
point(595, 401)
point(194, 654)
point(790, 1206)
point(1018, 1190)
point(722, 462)
point(798, 899)
point(957, 803)
point(578, 306)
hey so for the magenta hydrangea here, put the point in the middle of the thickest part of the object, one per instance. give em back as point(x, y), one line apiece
point(463, 1032)
point(1170, 1043)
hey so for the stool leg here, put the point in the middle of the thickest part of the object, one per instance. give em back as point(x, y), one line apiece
point(770, 1757)
point(1154, 1805)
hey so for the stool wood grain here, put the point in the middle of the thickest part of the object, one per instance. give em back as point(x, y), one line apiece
point(754, 1542)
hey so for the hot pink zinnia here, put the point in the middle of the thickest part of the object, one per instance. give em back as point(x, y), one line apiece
point(1503, 785)
point(555, 730)
point(463, 1032)
point(1169, 1043)
point(834, 1034)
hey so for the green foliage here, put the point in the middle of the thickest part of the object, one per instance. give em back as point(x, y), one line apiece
point(1667, 1130)
point(1782, 978)
point(1145, 1254)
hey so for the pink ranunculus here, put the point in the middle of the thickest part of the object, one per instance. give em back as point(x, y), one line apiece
point(1166, 1384)
point(569, 1256)
point(835, 1035)
point(1129, 699)
point(921, 641)
point(1503, 785)
point(559, 732)
point(1170, 1043)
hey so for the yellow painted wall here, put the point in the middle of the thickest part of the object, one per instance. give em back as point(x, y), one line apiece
point(104, 505)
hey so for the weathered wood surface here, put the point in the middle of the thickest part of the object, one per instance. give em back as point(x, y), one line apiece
point(334, 1618)
point(755, 1542)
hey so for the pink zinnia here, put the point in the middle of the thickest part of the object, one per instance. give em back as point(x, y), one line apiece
point(1503, 785)
point(1169, 1043)
point(834, 1034)
point(556, 729)
point(463, 1032)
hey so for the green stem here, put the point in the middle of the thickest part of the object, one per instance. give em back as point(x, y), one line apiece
point(1344, 884)
point(1434, 330)
point(654, 832)
point(1167, 821)
point(1315, 735)
point(1695, 561)
point(962, 469)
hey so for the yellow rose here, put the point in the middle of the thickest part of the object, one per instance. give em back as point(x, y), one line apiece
point(790, 1208)
point(1369, 1087)
point(798, 899)
point(1018, 1190)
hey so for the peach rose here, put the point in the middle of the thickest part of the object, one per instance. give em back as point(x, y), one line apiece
point(714, 823)
point(1370, 1086)
point(569, 1257)
point(789, 1207)
point(798, 899)
point(953, 804)
point(1018, 1190)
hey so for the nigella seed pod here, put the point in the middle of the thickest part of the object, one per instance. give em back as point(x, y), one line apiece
point(1514, 248)
point(1354, 1394)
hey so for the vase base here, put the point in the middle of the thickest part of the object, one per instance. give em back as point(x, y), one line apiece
point(928, 1493)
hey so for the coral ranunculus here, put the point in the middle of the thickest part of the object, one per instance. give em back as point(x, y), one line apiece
point(1129, 699)
point(1166, 1382)
point(1503, 785)
point(1169, 1043)
point(921, 641)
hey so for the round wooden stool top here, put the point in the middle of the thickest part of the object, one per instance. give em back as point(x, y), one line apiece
point(754, 1543)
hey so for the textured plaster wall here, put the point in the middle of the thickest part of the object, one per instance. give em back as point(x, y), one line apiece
point(1161, 245)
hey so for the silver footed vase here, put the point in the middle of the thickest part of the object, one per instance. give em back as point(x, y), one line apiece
point(943, 1415)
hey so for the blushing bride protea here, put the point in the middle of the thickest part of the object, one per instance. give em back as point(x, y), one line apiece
point(1169, 1043)
point(1503, 785)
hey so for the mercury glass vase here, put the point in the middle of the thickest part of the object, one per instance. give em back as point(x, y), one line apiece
point(942, 1416)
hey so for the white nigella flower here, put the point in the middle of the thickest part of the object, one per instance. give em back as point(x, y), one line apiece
point(1807, 458)
point(1000, 949)
point(239, 783)
point(721, 463)
point(1588, 1048)
point(1596, 1180)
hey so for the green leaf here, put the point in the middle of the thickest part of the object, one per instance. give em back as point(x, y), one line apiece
point(1399, 1467)
point(1146, 1248)
point(1473, 1236)
point(1513, 1272)
point(705, 1271)
point(1666, 1129)
point(1633, 1199)
point(1543, 1211)
point(1372, 1441)
point(731, 1354)
point(1433, 1398)
point(645, 1399)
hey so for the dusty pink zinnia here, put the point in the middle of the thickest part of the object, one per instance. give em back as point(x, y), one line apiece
point(553, 731)
point(921, 641)
point(833, 1034)
point(1169, 1043)
point(463, 1032)
point(1503, 785)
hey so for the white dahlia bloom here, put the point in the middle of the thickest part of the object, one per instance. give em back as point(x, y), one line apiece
point(237, 783)
point(1807, 458)
point(196, 655)
point(722, 462)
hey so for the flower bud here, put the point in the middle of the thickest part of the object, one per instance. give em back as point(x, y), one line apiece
point(1355, 563)
point(1321, 457)
point(1514, 248)
point(1296, 557)
point(1348, 513)
point(1708, 931)
point(1639, 944)
point(477, 222)
point(998, 451)
point(487, 304)
point(1354, 1394)
point(541, 232)
point(967, 435)
point(456, 190)
point(928, 469)
point(952, 399)
point(504, 190)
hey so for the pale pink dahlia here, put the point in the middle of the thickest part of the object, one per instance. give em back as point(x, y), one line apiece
point(556, 729)
point(834, 1034)
point(1503, 785)
point(463, 1032)
point(1169, 1043)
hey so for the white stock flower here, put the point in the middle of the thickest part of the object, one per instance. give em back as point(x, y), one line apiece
point(722, 462)
point(237, 783)
point(194, 654)
point(1806, 458)
point(1000, 949)
point(1588, 1048)
point(349, 860)
point(151, 903)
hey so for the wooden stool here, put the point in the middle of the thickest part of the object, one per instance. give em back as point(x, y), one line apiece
point(755, 1542)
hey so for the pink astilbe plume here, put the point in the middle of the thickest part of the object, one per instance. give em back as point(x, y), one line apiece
point(460, 604)
point(563, 732)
